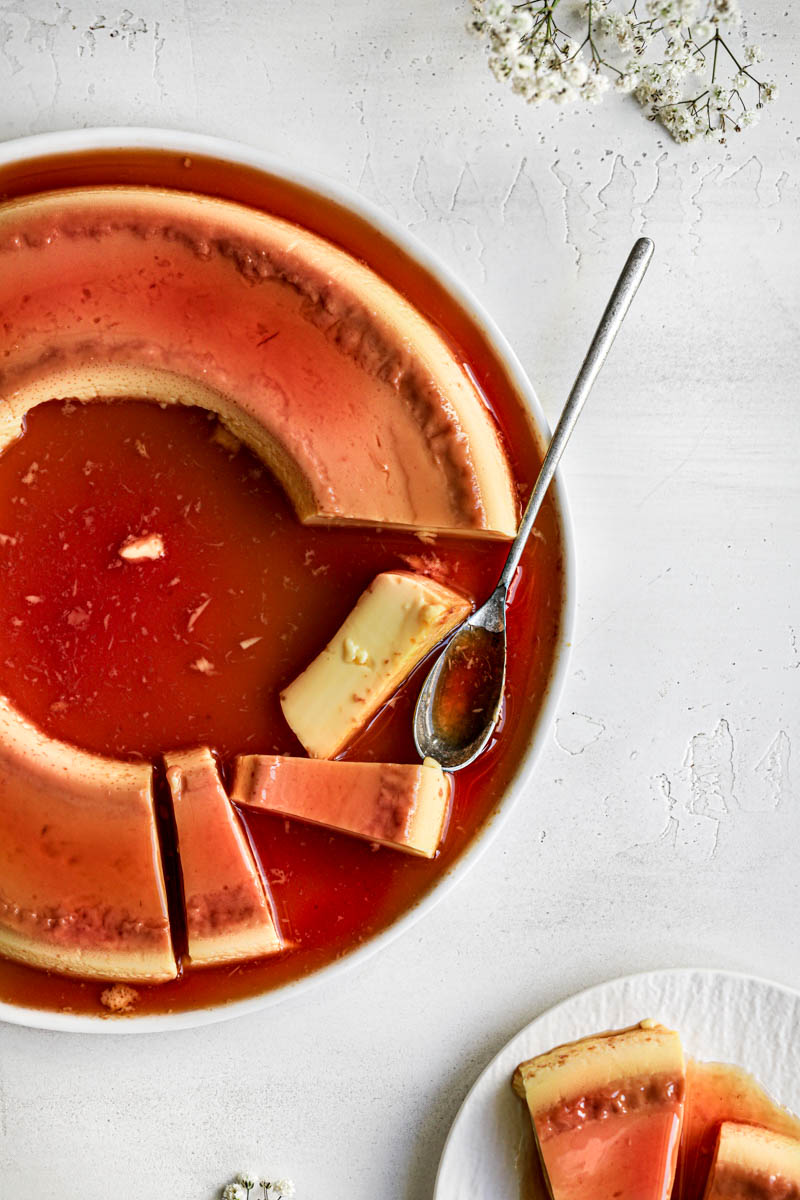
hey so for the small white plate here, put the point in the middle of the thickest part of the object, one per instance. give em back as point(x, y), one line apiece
point(721, 1016)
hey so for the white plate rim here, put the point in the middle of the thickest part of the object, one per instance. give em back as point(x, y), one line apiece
point(554, 1011)
point(184, 142)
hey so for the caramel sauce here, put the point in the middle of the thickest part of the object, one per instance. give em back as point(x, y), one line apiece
point(118, 658)
point(469, 687)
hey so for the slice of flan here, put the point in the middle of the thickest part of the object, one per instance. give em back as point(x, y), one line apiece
point(754, 1164)
point(718, 1093)
point(352, 397)
point(81, 884)
point(607, 1113)
point(228, 915)
point(402, 806)
point(395, 623)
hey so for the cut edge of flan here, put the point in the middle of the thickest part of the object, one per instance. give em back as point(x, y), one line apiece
point(63, 810)
point(362, 314)
point(228, 913)
point(750, 1160)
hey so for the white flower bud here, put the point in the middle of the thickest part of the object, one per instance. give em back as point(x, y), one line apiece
point(520, 22)
point(575, 71)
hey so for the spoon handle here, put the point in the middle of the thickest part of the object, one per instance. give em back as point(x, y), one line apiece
point(610, 322)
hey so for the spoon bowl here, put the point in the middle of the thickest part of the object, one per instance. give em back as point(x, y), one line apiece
point(460, 701)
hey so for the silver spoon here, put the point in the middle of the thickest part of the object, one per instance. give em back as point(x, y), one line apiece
point(478, 647)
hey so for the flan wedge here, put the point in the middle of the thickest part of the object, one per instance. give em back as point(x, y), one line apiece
point(402, 806)
point(754, 1164)
point(350, 395)
point(717, 1093)
point(81, 884)
point(607, 1113)
point(228, 914)
point(394, 624)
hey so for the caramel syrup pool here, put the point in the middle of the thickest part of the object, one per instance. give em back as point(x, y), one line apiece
point(135, 662)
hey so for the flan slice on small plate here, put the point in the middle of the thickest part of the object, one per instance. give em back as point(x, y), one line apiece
point(754, 1164)
point(607, 1113)
point(717, 1093)
point(404, 806)
point(228, 915)
point(81, 884)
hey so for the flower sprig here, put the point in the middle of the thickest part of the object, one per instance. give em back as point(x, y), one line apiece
point(676, 57)
point(245, 1183)
point(538, 58)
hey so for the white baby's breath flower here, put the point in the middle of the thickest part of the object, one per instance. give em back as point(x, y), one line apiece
point(703, 31)
point(726, 12)
point(523, 66)
point(769, 91)
point(232, 1192)
point(749, 117)
point(285, 1188)
point(564, 94)
point(595, 87)
point(497, 11)
point(625, 83)
point(719, 97)
point(247, 1179)
point(753, 53)
point(520, 22)
point(575, 71)
point(672, 13)
point(740, 80)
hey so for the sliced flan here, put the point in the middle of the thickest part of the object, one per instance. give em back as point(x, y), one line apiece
point(228, 915)
point(403, 806)
point(395, 623)
point(754, 1164)
point(81, 884)
point(716, 1093)
point(607, 1113)
point(347, 391)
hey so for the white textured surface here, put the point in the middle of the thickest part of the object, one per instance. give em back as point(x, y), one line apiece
point(662, 826)
point(721, 1018)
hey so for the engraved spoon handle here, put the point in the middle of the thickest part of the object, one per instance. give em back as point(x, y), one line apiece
point(610, 322)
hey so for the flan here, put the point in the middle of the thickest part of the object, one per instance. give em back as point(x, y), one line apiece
point(402, 806)
point(81, 884)
point(228, 915)
point(349, 394)
point(718, 1093)
point(754, 1164)
point(394, 624)
point(607, 1113)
